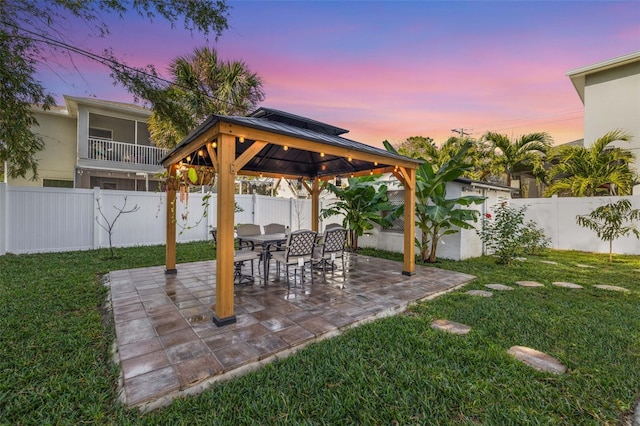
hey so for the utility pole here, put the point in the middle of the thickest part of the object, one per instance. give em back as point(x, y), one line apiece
point(461, 132)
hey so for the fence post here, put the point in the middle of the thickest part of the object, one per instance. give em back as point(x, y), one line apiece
point(3, 218)
point(556, 223)
point(254, 208)
point(96, 212)
point(291, 213)
point(210, 210)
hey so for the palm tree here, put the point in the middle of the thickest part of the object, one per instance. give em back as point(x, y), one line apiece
point(600, 169)
point(203, 85)
point(517, 156)
point(425, 148)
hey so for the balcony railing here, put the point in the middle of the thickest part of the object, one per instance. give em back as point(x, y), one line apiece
point(106, 150)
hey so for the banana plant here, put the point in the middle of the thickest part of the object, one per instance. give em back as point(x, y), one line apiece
point(360, 203)
point(437, 215)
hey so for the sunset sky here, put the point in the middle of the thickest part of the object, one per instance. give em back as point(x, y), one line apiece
point(391, 70)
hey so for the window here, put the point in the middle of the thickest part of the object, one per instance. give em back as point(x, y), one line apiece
point(98, 133)
point(57, 183)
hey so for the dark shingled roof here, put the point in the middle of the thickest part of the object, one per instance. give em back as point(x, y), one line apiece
point(273, 159)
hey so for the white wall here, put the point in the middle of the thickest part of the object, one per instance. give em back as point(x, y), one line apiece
point(462, 245)
point(58, 158)
point(557, 216)
point(612, 101)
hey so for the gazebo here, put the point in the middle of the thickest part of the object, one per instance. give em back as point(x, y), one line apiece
point(278, 144)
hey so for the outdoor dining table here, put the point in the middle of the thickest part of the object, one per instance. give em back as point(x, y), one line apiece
point(266, 240)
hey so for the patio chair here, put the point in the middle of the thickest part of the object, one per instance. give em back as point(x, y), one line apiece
point(247, 230)
point(332, 225)
point(274, 228)
point(298, 252)
point(239, 258)
point(214, 236)
point(332, 248)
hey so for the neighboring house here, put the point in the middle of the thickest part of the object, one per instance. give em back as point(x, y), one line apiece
point(459, 246)
point(610, 92)
point(95, 143)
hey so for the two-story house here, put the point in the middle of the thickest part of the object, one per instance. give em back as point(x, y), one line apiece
point(610, 92)
point(95, 143)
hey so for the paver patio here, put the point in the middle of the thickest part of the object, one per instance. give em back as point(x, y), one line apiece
point(167, 344)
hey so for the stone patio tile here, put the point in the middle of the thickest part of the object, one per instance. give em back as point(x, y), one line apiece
point(611, 287)
point(145, 363)
point(295, 335)
point(173, 326)
point(178, 337)
point(186, 351)
point(151, 386)
point(275, 324)
point(124, 301)
point(339, 319)
point(125, 309)
point(163, 318)
point(529, 284)
point(480, 293)
point(538, 360)
point(195, 370)
point(236, 355)
point(135, 314)
point(566, 284)
point(317, 326)
point(136, 335)
point(251, 331)
point(265, 314)
point(221, 340)
point(450, 326)
point(499, 287)
point(267, 345)
point(134, 324)
point(138, 348)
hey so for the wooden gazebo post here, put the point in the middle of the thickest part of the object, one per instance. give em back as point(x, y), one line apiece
point(409, 222)
point(225, 250)
point(170, 236)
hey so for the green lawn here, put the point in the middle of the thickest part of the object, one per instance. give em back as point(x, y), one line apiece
point(55, 352)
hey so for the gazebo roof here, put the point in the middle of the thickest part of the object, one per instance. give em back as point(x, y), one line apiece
point(320, 151)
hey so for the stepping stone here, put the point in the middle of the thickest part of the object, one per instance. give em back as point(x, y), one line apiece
point(521, 259)
point(549, 262)
point(580, 265)
point(450, 326)
point(611, 287)
point(538, 360)
point(529, 284)
point(498, 287)
point(566, 285)
point(480, 293)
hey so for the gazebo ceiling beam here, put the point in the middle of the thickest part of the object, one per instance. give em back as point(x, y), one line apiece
point(194, 145)
point(248, 154)
point(308, 145)
point(374, 171)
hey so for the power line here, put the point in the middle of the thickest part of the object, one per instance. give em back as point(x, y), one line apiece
point(108, 62)
point(461, 132)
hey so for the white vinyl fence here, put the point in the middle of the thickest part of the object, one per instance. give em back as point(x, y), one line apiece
point(557, 216)
point(58, 219)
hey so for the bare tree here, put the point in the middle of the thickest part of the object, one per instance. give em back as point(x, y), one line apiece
point(107, 225)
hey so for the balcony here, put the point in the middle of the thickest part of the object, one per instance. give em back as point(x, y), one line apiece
point(125, 153)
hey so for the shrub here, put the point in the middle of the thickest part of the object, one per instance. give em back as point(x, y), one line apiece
point(507, 236)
